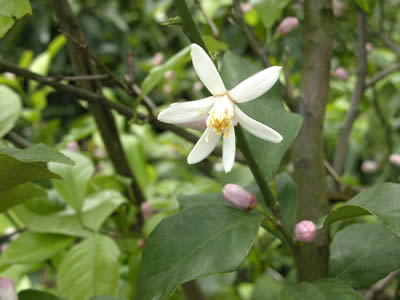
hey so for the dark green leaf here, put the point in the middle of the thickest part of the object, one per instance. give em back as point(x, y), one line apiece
point(19, 194)
point(324, 289)
point(200, 240)
point(10, 105)
point(267, 109)
point(364, 253)
point(37, 295)
point(286, 189)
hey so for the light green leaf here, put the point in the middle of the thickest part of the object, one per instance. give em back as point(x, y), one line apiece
point(268, 109)
point(269, 11)
point(89, 269)
point(10, 109)
point(200, 240)
point(96, 209)
point(381, 201)
point(15, 8)
point(266, 288)
point(324, 289)
point(31, 248)
point(73, 187)
point(6, 23)
point(107, 298)
point(364, 253)
point(19, 194)
point(364, 5)
point(36, 295)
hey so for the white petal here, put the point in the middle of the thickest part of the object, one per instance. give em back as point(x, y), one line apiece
point(178, 113)
point(256, 128)
point(204, 146)
point(255, 85)
point(229, 151)
point(207, 71)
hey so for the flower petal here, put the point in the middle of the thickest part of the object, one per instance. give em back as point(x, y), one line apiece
point(256, 128)
point(255, 85)
point(207, 71)
point(178, 113)
point(204, 146)
point(229, 151)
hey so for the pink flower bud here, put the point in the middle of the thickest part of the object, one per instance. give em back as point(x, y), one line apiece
point(369, 166)
point(146, 210)
point(7, 289)
point(369, 47)
point(341, 73)
point(99, 153)
point(141, 243)
point(197, 86)
point(73, 146)
point(395, 159)
point(305, 231)
point(238, 197)
point(245, 7)
point(170, 75)
point(167, 89)
point(157, 59)
point(338, 8)
point(287, 25)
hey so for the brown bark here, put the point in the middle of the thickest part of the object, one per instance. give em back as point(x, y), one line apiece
point(312, 203)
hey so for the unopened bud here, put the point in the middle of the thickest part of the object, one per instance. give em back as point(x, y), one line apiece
point(369, 166)
point(167, 89)
point(73, 146)
point(146, 210)
point(395, 159)
point(140, 244)
point(369, 47)
point(170, 75)
point(287, 25)
point(341, 73)
point(245, 7)
point(338, 8)
point(305, 231)
point(157, 59)
point(238, 197)
point(197, 86)
point(99, 153)
point(7, 289)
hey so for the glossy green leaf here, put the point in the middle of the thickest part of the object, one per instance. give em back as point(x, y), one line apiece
point(381, 201)
point(200, 240)
point(269, 11)
point(75, 179)
point(96, 209)
point(19, 194)
point(10, 109)
point(324, 289)
point(266, 288)
point(268, 109)
point(89, 269)
point(37, 295)
point(364, 253)
point(31, 248)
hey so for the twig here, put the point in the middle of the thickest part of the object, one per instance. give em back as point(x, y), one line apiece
point(77, 78)
point(192, 290)
point(289, 97)
point(386, 126)
point(390, 70)
point(214, 28)
point(386, 40)
point(131, 68)
point(18, 140)
point(257, 47)
point(344, 186)
point(358, 92)
point(380, 286)
point(6, 237)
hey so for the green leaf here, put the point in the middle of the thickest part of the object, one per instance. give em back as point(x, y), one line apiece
point(73, 187)
point(323, 289)
point(89, 269)
point(96, 209)
point(287, 191)
point(268, 109)
point(269, 11)
point(364, 5)
point(22, 8)
point(36, 295)
point(381, 201)
point(200, 240)
point(266, 288)
point(5, 24)
point(19, 194)
point(364, 253)
point(10, 109)
point(107, 298)
point(31, 248)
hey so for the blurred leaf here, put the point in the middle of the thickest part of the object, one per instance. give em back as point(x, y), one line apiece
point(269, 11)
point(36, 295)
point(361, 254)
point(96, 209)
point(5, 24)
point(323, 289)
point(10, 109)
point(214, 45)
point(107, 298)
point(10, 9)
point(21, 8)
point(19, 194)
point(31, 248)
point(266, 288)
point(89, 269)
point(202, 239)
point(267, 109)
point(381, 201)
point(75, 179)
point(364, 5)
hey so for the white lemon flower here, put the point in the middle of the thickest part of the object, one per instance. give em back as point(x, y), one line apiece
point(221, 111)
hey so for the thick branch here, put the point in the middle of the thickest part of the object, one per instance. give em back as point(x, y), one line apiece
point(358, 92)
point(312, 202)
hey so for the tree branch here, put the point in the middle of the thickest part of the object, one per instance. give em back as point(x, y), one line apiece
point(390, 70)
point(358, 92)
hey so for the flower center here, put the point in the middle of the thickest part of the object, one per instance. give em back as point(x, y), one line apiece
point(220, 116)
